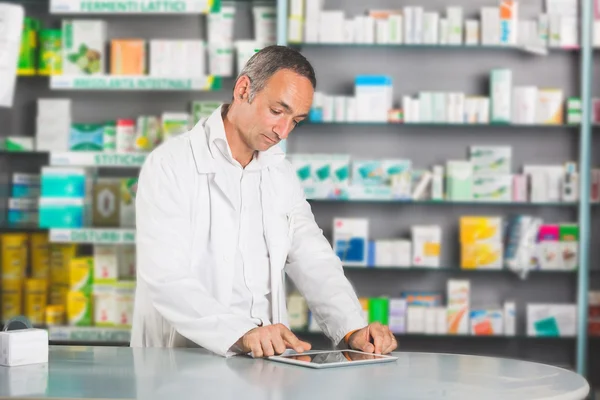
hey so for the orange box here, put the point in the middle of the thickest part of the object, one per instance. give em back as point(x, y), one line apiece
point(128, 57)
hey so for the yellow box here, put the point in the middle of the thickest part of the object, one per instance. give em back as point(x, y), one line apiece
point(481, 256)
point(58, 295)
point(14, 255)
point(11, 299)
point(40, 256)
point(81, 274)
point(79, 308)
point(480, 229)
point(60, 258)
point(55, 315)
point(36, 295)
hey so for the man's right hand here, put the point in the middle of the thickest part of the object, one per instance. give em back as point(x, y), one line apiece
point(266, 341)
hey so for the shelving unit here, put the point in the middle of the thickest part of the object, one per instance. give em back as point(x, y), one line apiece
point(93, 236)
point(412, 69)
point(426, 143)
point(134, 83)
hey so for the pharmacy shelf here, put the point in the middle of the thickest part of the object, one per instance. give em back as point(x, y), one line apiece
point(22, 153)
point(93, 236)
point(98, 159)
point(134, 83)
point(18, 229)
point(457, 269)
point(441, 203)
point(401, 336)
point(88, 334)
point(142, 7)
point(445, 125)
point(305, 45)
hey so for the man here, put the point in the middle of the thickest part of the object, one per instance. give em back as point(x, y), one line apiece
point(221, 217)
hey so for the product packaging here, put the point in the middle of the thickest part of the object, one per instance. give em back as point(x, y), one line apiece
point(83, 47)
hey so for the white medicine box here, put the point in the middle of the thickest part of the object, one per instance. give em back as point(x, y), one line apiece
point(350, 240)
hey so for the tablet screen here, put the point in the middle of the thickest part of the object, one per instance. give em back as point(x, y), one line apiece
point(334, 357)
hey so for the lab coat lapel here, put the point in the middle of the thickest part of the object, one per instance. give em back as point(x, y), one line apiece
point(202, 136)
point(276, 235)
point(224, 186)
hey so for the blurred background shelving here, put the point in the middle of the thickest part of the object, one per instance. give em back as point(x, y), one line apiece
point(413, 69)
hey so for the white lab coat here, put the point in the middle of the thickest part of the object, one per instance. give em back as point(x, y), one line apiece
point(186, 245)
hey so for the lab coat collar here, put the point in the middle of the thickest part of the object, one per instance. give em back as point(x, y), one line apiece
point(212, 128)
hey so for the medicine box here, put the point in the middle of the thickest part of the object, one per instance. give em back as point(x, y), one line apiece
point(551, 320)
point(500, 92)
point(79, 308)
point(481, 256)
point(486, 322)
point(106, 203)
point(496, 188)
point(63, 213)
point(374, 96)
point(81, 274)
point(350, 239)
point(550, 106)
point(426, 242)
point(64, 182)
point(479, 229)
point(83, 47)
point(106, 263)
point(25, 185)
point(104, 305)
point(459, 180)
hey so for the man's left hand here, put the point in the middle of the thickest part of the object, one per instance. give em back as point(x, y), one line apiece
point(374, 338)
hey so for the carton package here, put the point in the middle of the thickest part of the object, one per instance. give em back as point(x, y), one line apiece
point(426, 243)
point(86, 137)
point(558, 320)
point(106, 263)
point(476, 229)
point(458, 306)
point(128, 191)
point(128, 57)
point(459, 180)
point(495, 188)
point(104, 298)
point(106, 203)
point(81, 274)
point(500, 92)
point(83, 47)
point(486, 322)
point(481, 256)
point(79, 308)
point(550, 107)
point(491, 159)
point(350, 240)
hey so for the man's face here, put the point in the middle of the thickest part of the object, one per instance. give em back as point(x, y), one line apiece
point(283, 103)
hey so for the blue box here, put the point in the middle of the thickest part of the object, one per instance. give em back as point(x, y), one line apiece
point(62, 213)
point(63, 182)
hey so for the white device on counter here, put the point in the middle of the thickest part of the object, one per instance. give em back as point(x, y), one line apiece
point(23, 346)
point(332, 358)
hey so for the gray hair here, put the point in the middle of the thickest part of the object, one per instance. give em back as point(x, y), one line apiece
point(265, 63)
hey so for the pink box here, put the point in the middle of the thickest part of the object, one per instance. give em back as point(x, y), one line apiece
point(549, 233)
point(520, 188)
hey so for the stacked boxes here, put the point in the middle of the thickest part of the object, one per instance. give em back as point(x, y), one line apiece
point(65, 197)
point(492, 179)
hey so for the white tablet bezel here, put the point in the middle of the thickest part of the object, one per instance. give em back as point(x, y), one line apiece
point(283, 359)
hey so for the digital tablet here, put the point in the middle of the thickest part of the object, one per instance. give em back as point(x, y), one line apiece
point(332, 358)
